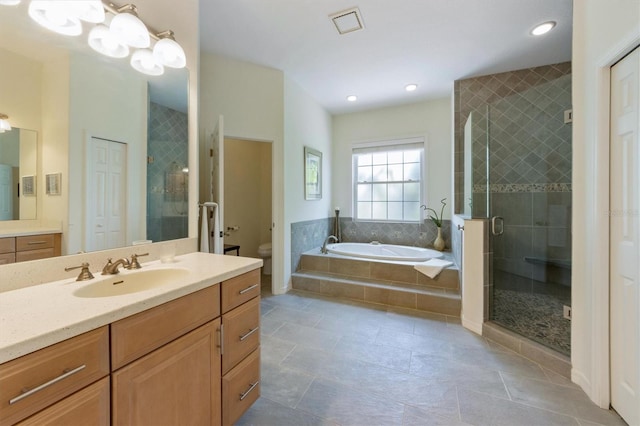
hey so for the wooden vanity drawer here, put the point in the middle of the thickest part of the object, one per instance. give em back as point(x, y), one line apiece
point(239, 289)
point(241, 334)
point(24, 256)
point(90, 406)
point(34, 381)
point(35, 242)
point(241, 388)
point(7, 258)
point(140, 334)
point(7, 245)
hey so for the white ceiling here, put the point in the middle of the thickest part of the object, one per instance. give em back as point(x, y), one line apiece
point(428, 42)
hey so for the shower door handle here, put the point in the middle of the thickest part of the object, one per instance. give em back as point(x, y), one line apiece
point(497, 222)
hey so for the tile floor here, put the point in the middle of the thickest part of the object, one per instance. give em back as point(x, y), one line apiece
point(334, 362)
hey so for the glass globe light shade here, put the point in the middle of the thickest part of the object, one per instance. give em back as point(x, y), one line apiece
point(130, 30)
point(4, 125)
point(102, 40)
point(88, 10)
point(55, 16)
point(169, 53)
point(143, 61)
point(9, 2)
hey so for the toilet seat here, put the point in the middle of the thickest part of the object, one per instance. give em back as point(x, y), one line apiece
point(264, 250)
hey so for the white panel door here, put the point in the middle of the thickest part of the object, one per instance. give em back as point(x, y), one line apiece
point(106, 194)
point(625, 238)
point(6, 192)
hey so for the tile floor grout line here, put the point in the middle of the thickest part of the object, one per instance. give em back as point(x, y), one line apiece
point(506, 388)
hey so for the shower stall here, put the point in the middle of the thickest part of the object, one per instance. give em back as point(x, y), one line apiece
point(517, 161)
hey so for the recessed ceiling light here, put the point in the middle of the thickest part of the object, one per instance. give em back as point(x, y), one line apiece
point(543, 28)
point(352, 98)
point(410, 87)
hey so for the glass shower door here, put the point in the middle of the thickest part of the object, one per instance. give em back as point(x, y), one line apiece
point(528, 199)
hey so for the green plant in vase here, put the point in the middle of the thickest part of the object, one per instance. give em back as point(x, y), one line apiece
point(438, 243)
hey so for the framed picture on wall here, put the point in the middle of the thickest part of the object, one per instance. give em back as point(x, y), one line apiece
point(312, 174)
point(29, 186)
point(53, 181)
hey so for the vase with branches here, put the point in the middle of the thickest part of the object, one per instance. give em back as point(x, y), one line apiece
point(439, 242)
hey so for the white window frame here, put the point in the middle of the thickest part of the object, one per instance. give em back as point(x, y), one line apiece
point(380, 145)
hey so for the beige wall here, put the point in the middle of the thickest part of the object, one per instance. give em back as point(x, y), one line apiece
point(20, 86)
point(247, 178)
point(251, 99)
point(603, 32)
point(431, 119)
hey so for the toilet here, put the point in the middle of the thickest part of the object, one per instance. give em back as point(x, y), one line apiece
point(264, 251)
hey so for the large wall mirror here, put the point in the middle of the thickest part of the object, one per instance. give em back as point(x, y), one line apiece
point(116, 139)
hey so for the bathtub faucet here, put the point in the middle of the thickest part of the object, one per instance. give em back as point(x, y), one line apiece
point(323, 250)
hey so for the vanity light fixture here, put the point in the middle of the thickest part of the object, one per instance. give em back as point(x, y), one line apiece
point(410, 87)
point(104, 41)
point(168, 52)
point(543, 28)
point(55, 16)
point(352, 98)
point(129, 28)
point(9, 2)
point(4, 123)
point(125, 30)
point(143, 61)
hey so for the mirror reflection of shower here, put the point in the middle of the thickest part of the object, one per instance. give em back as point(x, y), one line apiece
point(175, 188)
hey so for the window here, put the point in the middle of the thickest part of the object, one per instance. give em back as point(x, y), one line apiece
point(387, 180)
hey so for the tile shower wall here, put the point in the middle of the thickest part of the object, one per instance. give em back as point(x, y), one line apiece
point(530, 185)
point(166, 185)
point(311, 234)
point(474, 94)
point(518, 119)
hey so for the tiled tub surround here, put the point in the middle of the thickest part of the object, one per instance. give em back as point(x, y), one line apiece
point(311, 234)
point(167, 202)
point(387, 283)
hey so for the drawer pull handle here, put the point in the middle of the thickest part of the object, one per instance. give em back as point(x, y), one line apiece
point(32, 243)
point(253, 330)
point(63, 376)
point(248, 289)
point(221, 346)
point(248, 391)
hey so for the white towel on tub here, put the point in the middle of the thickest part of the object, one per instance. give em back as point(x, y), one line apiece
point(432, 267)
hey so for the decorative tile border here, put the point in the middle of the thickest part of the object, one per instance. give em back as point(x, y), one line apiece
point(522, 187)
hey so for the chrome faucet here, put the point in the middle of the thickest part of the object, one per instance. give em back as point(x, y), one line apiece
point(323, 250)
point(111, 268)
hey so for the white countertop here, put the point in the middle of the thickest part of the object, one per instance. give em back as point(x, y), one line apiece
point(23, 232)
point(34, 317)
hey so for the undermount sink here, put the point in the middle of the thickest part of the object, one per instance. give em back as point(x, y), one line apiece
point(131, 282)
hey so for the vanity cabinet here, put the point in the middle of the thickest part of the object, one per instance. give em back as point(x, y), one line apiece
point(176, 384)
point(7, 250)
point(32, 382)
point(241, 344)
point(163, 372)
point(90, 406)
point(29, 247)
point(193, 360)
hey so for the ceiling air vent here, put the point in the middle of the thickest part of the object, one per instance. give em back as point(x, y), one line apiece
point(347, 21)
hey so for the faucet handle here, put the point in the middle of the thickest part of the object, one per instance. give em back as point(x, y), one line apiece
point(105, 270)
point(84, 275)
point(134, 264)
